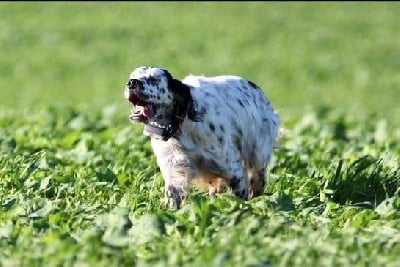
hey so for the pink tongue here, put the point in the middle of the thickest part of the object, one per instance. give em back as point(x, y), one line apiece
point(143, 110)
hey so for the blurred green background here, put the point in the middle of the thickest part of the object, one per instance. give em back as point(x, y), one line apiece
point(336, 56)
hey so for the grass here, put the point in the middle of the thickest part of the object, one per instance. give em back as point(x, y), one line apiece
point(79, 185)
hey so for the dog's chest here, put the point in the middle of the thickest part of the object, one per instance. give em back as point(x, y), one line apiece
point(195, 152)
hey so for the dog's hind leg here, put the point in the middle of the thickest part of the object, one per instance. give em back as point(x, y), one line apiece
point(256, 182)
point(237, 180)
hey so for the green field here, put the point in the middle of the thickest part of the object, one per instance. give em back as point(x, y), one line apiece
point(79, 185)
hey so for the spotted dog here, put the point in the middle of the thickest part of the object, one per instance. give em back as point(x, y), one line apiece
point(210, 132)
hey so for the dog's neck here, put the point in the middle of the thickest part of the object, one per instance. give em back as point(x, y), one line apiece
point(181, 108)
point(167, 132)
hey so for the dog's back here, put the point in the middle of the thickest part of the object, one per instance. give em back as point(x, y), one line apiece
point(236, 110)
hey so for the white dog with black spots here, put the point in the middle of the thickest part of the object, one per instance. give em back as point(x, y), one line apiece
point(211, 132)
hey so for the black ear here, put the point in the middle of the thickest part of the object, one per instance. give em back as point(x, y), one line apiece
point(177, 87)
point(184, 98)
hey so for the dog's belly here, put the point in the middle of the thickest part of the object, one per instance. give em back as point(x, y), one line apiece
point(210, 183)
point(210, 173)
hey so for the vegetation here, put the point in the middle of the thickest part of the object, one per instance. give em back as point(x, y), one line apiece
point(79, 185)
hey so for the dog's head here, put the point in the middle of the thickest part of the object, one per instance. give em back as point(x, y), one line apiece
point(158, 99)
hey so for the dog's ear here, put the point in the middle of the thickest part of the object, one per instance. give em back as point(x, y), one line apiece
point(182, 93)
point(176, 86)
point(180, 89)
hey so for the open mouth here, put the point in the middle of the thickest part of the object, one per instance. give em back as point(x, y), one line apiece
point(142, 110)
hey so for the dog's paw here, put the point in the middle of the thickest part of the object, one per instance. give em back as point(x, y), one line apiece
point(174, 197)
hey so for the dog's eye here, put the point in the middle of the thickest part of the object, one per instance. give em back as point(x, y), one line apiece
point(134, 83)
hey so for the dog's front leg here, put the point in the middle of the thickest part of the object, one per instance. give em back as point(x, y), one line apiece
point(176, 185)
point(176, 170)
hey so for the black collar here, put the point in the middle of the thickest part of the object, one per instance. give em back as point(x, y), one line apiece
point(172, 128)
point(161, 133)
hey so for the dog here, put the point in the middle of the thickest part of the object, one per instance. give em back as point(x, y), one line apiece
point(209, 132)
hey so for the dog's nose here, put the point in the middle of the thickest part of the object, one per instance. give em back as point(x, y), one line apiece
point(135, 84)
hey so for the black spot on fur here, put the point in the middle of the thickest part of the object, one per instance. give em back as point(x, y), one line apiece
point(212, 127)
point(241, 103)
point(253, 85)
point(220, 140)
point(222, 128)
point(152, 81)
